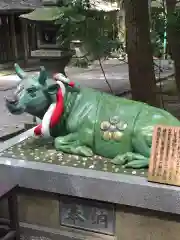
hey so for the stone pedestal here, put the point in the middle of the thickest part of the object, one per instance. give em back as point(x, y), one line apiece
point(69, 197)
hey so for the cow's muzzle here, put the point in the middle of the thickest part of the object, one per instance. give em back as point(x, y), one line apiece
point(12, 100)
point(13, 106)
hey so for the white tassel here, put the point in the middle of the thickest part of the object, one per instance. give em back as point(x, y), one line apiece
point(47, 116)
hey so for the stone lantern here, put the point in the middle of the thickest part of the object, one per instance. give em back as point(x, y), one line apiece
point(48, 50)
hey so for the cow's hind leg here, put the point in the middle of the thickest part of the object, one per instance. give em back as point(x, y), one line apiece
point(131, 160)
point(139, 158)
point(70, 144)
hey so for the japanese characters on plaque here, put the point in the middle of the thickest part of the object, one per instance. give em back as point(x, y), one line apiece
point(164, 166)
point(88, 215)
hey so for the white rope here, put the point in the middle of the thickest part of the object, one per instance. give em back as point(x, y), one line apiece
point(45, 130)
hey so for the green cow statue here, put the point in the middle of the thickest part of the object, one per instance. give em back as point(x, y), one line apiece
point(84, 121)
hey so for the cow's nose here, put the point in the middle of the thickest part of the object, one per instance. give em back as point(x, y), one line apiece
point(12, 100)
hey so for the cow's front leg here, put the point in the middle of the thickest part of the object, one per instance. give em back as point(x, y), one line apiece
point(131, 160)
point(71, 144)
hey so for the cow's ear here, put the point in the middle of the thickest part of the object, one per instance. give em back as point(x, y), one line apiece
point(42, 76)
point(19, 71)
point(52, 89)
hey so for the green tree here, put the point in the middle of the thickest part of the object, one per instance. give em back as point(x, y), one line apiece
point(173, 36)
point(95, 29)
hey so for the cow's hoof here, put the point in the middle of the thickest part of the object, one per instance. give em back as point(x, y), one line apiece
point(137, 164)
point(85, 151)
point(120, 160)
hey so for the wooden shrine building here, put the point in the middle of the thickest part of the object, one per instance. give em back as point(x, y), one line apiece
point(16, 38)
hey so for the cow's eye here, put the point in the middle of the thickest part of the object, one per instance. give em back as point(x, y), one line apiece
point(32, 91)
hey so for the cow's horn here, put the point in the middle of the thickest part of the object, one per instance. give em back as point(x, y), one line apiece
point(19, 71)
point(42, 76)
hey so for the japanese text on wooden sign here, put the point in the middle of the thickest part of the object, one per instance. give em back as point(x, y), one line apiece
point(164, 164)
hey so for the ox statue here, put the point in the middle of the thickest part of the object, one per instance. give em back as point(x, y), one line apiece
point(84, 121)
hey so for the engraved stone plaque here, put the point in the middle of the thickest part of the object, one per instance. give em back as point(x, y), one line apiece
point(89, 215)
point(164, 164)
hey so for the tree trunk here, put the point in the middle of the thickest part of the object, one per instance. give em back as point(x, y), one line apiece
point(139, 50)
point(173, 36)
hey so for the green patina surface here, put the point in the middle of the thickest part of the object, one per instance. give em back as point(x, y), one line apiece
point(43, 151)
point(92, 122)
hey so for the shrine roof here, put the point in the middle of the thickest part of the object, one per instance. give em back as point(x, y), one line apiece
point(19, 4)
point(43, 14)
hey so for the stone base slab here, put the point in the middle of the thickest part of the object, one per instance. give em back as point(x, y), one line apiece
point(33, 232)
point(40, 220)
point(129, 226)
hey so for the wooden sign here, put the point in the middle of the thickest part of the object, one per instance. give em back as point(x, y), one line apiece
point(164, 166)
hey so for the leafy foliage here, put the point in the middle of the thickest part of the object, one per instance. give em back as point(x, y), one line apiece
point(174, 20)
point(95, 29)
point(159, 19)
point(158, 25)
